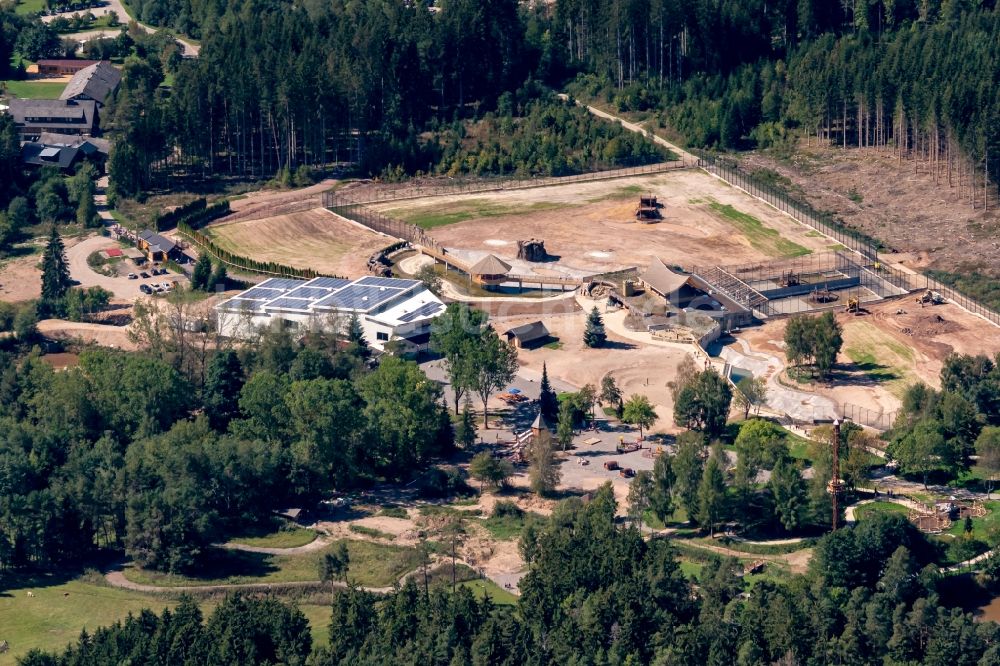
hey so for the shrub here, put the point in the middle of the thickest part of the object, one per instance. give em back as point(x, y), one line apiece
point(507, 510)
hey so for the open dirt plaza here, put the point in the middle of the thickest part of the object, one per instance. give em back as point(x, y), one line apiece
point(591, 226)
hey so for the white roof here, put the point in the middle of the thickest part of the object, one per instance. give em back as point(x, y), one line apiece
point(391, 301)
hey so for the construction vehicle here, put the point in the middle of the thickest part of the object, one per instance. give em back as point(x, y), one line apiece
point(931, 297)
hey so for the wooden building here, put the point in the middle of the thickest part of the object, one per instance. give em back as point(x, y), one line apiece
point(489, 271)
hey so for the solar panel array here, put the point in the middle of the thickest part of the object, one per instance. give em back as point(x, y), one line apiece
point(391, 283)
point(281, 283)
point(323, 294)
point(357, 297)
point(425, 310)
point(286, 303)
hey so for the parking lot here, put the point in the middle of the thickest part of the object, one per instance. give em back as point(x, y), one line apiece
point(118, 284)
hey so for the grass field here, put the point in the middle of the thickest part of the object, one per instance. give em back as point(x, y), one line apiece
point(506, 528)
point(277, 536)
point(868, 510)
point(985, 528)
point(25, 7)
point(33, 89)
point(879, 356)
point(428, 217)
point(372, 564)
point(762, 238)
point(60, 609)
point(487, 588)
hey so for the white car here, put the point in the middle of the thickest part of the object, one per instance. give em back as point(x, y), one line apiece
point(133, 276)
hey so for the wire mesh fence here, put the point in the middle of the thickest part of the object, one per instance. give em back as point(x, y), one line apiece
point(418, 190)
point(849, 238)
point(868, 417)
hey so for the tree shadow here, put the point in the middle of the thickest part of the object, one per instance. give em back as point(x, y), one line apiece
point(617, 345)
point(220, 563)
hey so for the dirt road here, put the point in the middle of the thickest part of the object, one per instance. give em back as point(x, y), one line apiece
point(80, 271)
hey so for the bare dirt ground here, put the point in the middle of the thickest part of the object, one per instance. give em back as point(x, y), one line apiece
point(314, 239)
point(20, 279)
point(637, 368)
point(903, 348)
point(268, 202)
point(99, 334)
point(595, 230)
point(898, 202)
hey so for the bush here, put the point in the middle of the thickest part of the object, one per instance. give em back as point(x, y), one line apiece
point(507, 510)
point(439, 482)
point(7, 313)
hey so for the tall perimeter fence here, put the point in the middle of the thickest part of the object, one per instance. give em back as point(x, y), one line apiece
point(853, 240)
point(455, 186)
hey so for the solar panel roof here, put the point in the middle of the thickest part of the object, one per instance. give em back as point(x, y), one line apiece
point(262, 293)
point(391, 283)
point(312, 293)
point(424, 310)
point(328, 282)
point(244, 304)
point(290, 303)
point(357, 297)
point(281, 283)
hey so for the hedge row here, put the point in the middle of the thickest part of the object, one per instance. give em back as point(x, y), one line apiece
point(198, 219)
point(169, 220)
point(245, 263)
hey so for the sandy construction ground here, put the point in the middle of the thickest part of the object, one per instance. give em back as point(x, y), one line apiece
point(637, 368)
point(887, 350)
point(20, 279)
point(590, 225)
point(314, 239)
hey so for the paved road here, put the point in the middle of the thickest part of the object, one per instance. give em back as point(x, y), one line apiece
point(80, 271)
point(116, 7)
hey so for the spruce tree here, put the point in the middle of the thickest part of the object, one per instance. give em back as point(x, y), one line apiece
point(217, 278)
point(55, 272)
point(547, 401)
point(356, 338)
point(594, 335)
point(202, 272)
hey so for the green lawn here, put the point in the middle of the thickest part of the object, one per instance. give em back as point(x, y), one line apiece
point(691, 569)
point(868, 510)
point(487, 588)
point(439, 215)
point(762, 238)
point(29, 7)
point(60, 609)
point(372, 564)
point(33, 89)
point(283, 535)
point(982, 528)
point(505, 528)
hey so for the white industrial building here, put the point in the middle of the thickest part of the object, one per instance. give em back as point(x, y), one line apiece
point(388, 308)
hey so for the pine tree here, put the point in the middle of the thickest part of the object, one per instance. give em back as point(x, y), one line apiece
point(595, 335)
point(86, 211)
point(55, 272)
point(217, 278)
point(202, 272)
point(547, 400)
point(356, 338)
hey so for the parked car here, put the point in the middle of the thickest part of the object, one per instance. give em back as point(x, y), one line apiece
point(144, 275)
point(145, 288)
point(133, 276)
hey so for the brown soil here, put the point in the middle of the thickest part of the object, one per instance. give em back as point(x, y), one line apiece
point(901, 203)
point(20, 279)
point(268, 203)
point(314, 239)
point(929, 333)
point(595, 230)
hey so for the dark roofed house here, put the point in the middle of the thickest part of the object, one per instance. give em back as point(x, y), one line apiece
point(522, 336)
point(89, 145)
point(95, 83)
point(35, 116)
point(38, 154)
point(156, 247)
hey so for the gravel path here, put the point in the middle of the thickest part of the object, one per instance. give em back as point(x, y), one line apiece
point(316, 544)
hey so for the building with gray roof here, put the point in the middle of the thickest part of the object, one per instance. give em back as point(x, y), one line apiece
point(94, 83)
point(35, 116)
